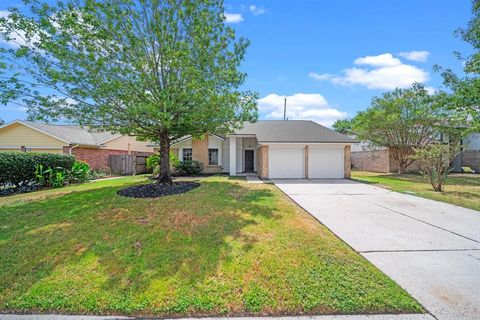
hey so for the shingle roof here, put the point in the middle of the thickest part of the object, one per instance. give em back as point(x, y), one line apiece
point(73, 134)
point(292, 131)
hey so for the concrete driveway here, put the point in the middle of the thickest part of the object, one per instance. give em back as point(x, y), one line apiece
point(430, 248)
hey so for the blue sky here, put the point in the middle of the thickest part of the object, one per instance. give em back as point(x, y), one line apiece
point(329, 58)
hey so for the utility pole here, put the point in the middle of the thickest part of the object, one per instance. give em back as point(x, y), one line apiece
point(285, 109)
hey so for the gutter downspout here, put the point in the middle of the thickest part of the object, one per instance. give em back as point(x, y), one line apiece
point(70, 149)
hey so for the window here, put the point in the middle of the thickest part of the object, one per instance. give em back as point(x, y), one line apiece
point(213, 157)
point(187, 154)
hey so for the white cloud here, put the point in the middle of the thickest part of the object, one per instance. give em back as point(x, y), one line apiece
point(382, 60)
point(419, 56)
point(233, 17)
point(300, 106)
point(256, 10)
point(380, 72)
point(323, 76)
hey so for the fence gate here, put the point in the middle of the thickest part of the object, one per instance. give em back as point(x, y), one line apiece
point(128, 164)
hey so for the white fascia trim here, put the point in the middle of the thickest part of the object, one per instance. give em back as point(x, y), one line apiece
point(36, 129)
point(186, 138)
point(179, 141)
point(221, 138)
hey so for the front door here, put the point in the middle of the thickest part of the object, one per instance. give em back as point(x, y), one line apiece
point(248, 160)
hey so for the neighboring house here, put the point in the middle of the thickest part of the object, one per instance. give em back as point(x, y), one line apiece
point(378, 160)
point(91, 147)
point(272, 149)
point(381, 160)
point(470, 155)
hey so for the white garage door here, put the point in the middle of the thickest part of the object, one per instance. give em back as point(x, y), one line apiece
point(325, 162)
point(286, 162)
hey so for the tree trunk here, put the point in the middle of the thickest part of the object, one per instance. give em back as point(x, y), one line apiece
point(165, 159)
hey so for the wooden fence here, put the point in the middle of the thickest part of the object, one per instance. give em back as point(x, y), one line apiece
point(128, 164)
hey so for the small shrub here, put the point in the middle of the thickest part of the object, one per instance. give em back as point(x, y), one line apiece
point(187, 168)
point(153, 163)
point(79, 173)
point(49, 177)
point(42, 175)
point(57, 179)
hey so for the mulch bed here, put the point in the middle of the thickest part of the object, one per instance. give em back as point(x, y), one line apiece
point(21, 189)
point(155, 190)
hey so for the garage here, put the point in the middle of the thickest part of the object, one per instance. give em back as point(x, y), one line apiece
point(286, 162)
point(325, 162)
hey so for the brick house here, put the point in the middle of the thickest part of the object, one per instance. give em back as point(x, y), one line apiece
point(89, 146)
point(272, 149)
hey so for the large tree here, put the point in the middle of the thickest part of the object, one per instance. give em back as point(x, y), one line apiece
point(466, 88)
point(155, 69)
point(401, 120)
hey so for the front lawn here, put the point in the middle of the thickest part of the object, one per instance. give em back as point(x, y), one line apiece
point(462, 190)
point(226, 247)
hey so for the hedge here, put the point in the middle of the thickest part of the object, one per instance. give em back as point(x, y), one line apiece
point(19, 167)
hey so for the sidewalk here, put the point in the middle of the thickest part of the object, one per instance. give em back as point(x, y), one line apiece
point(328, 317)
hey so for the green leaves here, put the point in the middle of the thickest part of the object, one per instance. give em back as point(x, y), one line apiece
point(466, 90)
point(141, 68)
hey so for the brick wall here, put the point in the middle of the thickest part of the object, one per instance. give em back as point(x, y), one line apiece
point(347, 154)
point(96, 158)
point(377, 161)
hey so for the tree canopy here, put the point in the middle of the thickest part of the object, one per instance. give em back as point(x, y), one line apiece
point(400, 120)
point(155, 69)
point(466, 89)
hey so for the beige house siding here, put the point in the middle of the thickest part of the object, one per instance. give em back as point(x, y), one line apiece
point(128, 143)
point(262, 162)
point(200, 153)
point(17, 135)
point(45, 150)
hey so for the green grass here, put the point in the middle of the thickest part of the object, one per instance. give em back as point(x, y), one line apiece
point(462, 190)
point(226, 247)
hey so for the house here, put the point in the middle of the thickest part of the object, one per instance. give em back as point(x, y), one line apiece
point(89, 146)
point(381, 160)
point(470, 154)
point(272, 149)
